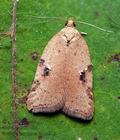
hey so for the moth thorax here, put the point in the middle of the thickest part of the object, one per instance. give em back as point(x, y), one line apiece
point(70, 23)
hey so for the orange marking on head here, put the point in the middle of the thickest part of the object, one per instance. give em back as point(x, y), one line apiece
point(70, 23)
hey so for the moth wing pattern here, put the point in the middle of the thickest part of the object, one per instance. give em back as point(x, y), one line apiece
point(63, 78)
point(79, 99)
point(47, 91)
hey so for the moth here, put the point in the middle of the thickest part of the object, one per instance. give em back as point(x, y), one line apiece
point(63, 80)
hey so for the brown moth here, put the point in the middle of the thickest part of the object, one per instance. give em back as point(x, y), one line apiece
point(63, 79)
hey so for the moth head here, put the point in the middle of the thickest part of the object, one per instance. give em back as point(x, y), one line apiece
point(70, 23)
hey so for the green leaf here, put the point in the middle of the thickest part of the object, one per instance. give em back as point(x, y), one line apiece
point(32, 36)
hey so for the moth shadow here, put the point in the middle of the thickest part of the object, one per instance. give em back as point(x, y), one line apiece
point(57, 113)
point(80, 120)
point(48, 114)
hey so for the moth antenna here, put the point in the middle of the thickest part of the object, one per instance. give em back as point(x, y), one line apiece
point(78, 21)
point(54, 18)
point(92, 25)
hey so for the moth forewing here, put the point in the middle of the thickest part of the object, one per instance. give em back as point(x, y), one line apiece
point(63, 78)
point(79, 100)
point(48, 96)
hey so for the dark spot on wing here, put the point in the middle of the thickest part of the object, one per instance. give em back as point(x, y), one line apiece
point(42, 61)
point(68, 42)
point(90, 67)
point(46, 71)
point(82, 76)
point(33, 89)
point(35, 84)
point(89, 90)
point(36, 81)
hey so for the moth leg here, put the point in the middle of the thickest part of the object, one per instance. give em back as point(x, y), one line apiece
point(83, 33)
